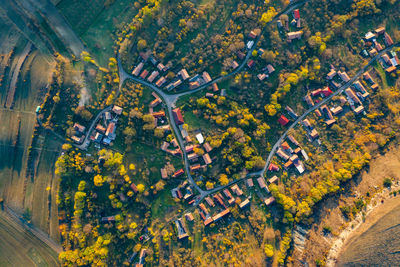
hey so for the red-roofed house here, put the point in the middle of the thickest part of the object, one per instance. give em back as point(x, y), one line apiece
point(283, 120)
point(177, 116)
point(296, 14)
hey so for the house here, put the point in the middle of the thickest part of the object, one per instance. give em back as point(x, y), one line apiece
point(189, 217)
point(207, 147)
point(174, 142)
point(206, 77)
point(234, 64)
point(330, 122)
point(285, 146)
point(316, 92)
point(244, 203)
point(386, 58)
point(298, 23)
point(288, 164)
point(293, 140)
point(178, 173)
point(331, 74)
point(291, 112)
point(161, 67)
point(273, 167)
point(164, 174)
point(158, 114)
point(208, 221)
point(252, 35)
point(294, 35)
point(350, 94)
point(134, 188)
point(110, 132)
point(189, 148)
point(380, 30)
point(236, 189)
point(155, 102)
point(200, 138)
point(326, 91)
point(215, 87)
point(309, 100)
point(144, 73)
point(241, 55)
point(373, 52)
point(195, 167)
point(378, 46)
point(249, 44)
point(152, 76)
point(327, 112)
point(188, 139)
point(203, 208)
point(209, 95)
point(336, 110)
point(251, 63)
point(307, 124)
point(261, 183)
point(164, 146)
point(261, 76)
point(296, 14)
point(250, 182)
point(318, 113)
point(160, 81)
point(177, 116)
point(359, 109)
point(98, 137)
point(273, 180)
point(283, 120)
point(117, 110)
point(227, 193)
point(192, 156)
point(181, 229)
point(314, 134)
point(137, 69)
point(210, 202)
point(79, 128)
point(184, 74)
point(220, 215)
point(282, 154)
point(390, 69)
point(388, 39)
point(269, 201)
point(369, 36)
point(270, 68)
point(193, 85)
point(344, 76)
point(78, 140)
point(218, 197)
point(207, 159)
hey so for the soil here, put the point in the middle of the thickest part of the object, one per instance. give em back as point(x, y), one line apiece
point(328, 214)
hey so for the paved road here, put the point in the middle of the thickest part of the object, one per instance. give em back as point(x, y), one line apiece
point(86, 141)
point(170, 100)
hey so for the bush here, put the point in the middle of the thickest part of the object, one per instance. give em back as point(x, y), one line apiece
point(387, 182)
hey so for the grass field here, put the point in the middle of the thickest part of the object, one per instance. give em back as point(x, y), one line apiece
point(20, 248)
point(95, 23)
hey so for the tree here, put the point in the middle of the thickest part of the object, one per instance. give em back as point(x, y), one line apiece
point(159, 133)
point(140, 187)
point(141, 45)
point(98, 180)
point(387, 182)
point(269, 250)
point(223, 179)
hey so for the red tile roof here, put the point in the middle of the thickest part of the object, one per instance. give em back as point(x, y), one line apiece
point(283, 120)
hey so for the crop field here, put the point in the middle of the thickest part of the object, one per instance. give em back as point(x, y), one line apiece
point(34, 196)
point(20, 248)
